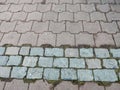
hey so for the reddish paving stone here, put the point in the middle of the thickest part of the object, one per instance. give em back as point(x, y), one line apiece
point(16, 85)
point(84, 39)
point(65, 38)
point(117, 39)
point(46, 38)
point(2, 85)
point(40, 85)
point(28, 38)
point(102, 39)
point(64, 85)
point(114, 86)
point(10, 38)
point(91, 86)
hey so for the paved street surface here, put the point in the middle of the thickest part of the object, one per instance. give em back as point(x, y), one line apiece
point(61, 41)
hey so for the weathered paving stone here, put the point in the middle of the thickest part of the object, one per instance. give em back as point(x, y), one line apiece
point(110, 63)
point(68, 74)
point(77, 63)
point(51, 74)
point(5, 72)
point(3, 60)
point(101, 53)
point(18, 72)
point(115, 53)
point(14, 60)
point(2, 84)
point(93, 63)
point(12, 50)
point(2, 50)
point(30, 61)
point(86, 52)
point(60, 62)
point(114, 86)
point(24, 51)
point(85, 75)
point(71, 52)
point(36, 51)
point(105, 75)
point(53, 52)
point(35, 73)
point(45, 62)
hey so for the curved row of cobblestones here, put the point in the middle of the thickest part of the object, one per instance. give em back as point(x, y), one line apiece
point(82, 64)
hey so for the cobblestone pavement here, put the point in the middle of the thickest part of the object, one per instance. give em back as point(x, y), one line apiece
point(93, 23)
point(60, 40)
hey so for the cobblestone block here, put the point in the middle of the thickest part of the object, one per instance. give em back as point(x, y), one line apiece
point(97, 16)
point(16, 8)
point(105, 75)
point(5, 72)
point(84, 39)
point(3, 60)
point(85, 75)
point(45, 62)
point(81, 16)
point(2, 84)
point(65, 1)
point(77, 63)
point(12, 50)
point(52, 1)
point(7, 26)
point(58, 7)
point(73, 27)
point(35, 73)
point(88, 26)
point(5, 16)
point(86, 52)
point(2, 50)
point(73, 8)
point(65, 16)
point(103, 7)
point(12, 1)
point(25, 1)
point(28, 60)
point(27, 39)
point(65, 38)
point(43, 7)
point(4, 8)
point(36, 51)
point(10, 38)
point(79, 1)
point(68, 74)
point(71, 52)
point(114, 86)
point(113, 16)
point(54, 52)
point(60, 62)
point(14, 60)
point(51, 76)
point(24, 50)
point(108, 1)
point(2, 1)
point(46, 38)
point(37, 1)
point(30, 7)
point(109, 27)
point(102, 53)
point(115, 53)
point(57, 27)
point(40, 27)
point(117, 40)
point(52, 16)
point(19, 16)
point(26, 26)
point(102, 39)
point(93, 63)
point(110, 63)
point(88, 7)
point(18, 72)
point(93, 1)
point(34, 16)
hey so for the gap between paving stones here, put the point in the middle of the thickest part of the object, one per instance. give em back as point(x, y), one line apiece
point(80, 64)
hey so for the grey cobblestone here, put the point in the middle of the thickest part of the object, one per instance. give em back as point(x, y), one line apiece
point(34, 73)
point(24, 51)
point(71, 52)
point(68, 74)
point(58, 8)
point(36, 51)
point(5, 72)
point(86, 52)
point(12, 50)
point(2, 50)
point(115, 52)
point(88, 7)
point(3, 60)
